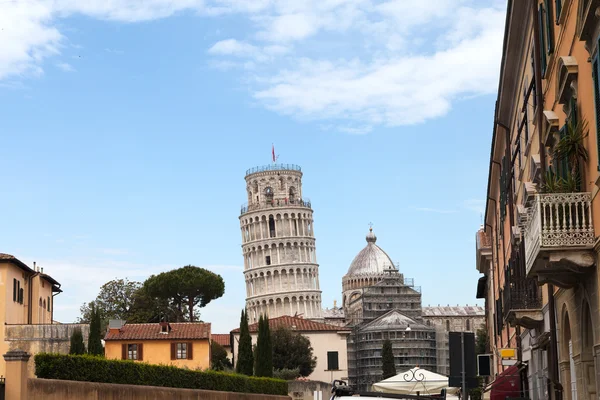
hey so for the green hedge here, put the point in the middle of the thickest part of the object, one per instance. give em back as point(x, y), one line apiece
point(95, 369)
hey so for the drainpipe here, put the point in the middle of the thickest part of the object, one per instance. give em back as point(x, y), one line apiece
point(30, 295)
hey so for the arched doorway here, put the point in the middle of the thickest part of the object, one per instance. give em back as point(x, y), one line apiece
point(567, 363)
point(588, 371)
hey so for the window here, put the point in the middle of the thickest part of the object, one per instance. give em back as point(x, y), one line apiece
point(268, 260)
point(542, 39)
point(549, 27)
point(468, 325)
point(332, 361)
point(20, 294)
point(448, 325)
point(48, 303)
point(41, 302)
point(271, 226)
point(132, 351)
point(181, 351)
point(15, 290)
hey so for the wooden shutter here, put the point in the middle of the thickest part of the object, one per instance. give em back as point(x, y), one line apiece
point(123, 352)
point(549, 26)
point(558, 9)
point(14, 289)
point(542, 39)
point(173, 351)
point(595, 67)
point(190, 352)
point(140, 352)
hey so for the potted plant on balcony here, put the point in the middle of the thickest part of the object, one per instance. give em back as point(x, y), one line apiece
point(571, 149)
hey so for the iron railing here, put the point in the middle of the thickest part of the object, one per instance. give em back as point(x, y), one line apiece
point(273, 167)
point(558, 221)
point(274, 204)
point(522, 294)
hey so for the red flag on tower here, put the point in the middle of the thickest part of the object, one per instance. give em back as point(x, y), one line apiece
point(273, 152)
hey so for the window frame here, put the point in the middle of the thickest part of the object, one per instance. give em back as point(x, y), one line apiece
point(330, 362)
point(131, 352)
point(181, 351)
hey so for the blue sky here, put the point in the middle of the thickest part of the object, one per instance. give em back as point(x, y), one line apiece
point(127, 129)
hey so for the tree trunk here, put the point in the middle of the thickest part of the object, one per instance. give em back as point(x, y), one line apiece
point(191, 307)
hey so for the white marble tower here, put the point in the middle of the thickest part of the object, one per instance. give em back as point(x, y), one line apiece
point(278, 244)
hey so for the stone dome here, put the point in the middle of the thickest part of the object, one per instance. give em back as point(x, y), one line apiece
point(371, 260)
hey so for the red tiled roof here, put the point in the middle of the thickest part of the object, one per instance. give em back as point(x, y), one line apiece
point(222, 339)
point(297, 324)
point(16, 261)
point(179, 330)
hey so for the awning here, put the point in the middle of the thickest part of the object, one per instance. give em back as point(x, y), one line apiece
point(481, 286)
point(507, 384)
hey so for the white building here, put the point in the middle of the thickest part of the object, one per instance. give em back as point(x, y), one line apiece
point(278, 244)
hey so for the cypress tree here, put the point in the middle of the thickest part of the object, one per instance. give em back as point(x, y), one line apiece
point(264, 349)
point(245, 358)
point(77, 345)
point(387, 358)
point(95, 339)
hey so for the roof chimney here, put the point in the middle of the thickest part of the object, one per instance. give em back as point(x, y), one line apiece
point(115, 325)
point(34, 267)
point(335, 304)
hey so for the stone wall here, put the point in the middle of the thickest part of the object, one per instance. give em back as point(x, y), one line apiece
point(50, 389)
point(45, 338)
point(305, 390)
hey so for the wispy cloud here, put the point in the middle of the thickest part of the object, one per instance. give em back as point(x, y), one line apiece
point(65, 67)
point(435, 210)
point(475, 205)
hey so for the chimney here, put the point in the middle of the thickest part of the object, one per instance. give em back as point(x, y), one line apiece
point(42, 270)
point(34, 267)
point(115, 325)
point(335, 304)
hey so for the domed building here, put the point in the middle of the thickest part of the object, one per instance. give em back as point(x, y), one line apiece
point(379, 304)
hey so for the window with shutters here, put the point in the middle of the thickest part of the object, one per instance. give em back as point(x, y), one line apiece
point(542, 39)
point(132, 351)
point(182, 351)
point(15, 291)
point(333, 361)
point(549, 27)
point(596, 75)
point(48, 303)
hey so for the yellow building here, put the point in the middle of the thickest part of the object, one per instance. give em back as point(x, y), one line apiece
point(182, 344)
point(27, 299)
point(539, 247)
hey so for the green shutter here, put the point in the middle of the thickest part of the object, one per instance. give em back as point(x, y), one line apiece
point(595, 67)
point(542, 40)
point(558, 9)
point(549, 26)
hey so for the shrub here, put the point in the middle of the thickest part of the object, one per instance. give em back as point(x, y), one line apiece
point(96, 369)
point(287, 374)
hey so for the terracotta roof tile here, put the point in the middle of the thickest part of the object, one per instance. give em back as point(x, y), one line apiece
point(179, 330)
point(297, 324)
point(15, 261)
point(222, 339)
point(4, 256)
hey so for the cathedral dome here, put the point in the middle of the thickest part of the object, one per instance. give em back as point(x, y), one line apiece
point(371, 260)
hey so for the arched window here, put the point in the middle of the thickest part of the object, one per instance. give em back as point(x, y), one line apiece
point(41, 302)
point(292, 194)
point(48, 304)
point(44, 303)
point(269, 195)
point(448, 325)
point(271, 226)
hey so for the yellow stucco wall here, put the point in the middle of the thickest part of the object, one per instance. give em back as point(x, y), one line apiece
point(159, 352)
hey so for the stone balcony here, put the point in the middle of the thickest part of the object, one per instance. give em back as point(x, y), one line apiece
point(559, 238)
point(275, 203)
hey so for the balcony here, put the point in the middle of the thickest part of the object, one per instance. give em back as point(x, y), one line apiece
point(522, 300)
point(274, 167)
point(484, 250)
point(276, 203)
point(559, 238)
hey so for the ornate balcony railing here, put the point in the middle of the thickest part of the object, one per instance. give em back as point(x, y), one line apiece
point(274, 204)
point(273, 167)
point(558, 221)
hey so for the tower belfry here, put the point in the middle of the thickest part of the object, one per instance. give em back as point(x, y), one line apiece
point(278, 244)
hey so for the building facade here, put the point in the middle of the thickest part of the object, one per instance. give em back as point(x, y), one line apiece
point(27, 299)
point(538, 248)
point(183, 345)
point(329, 344)
point(278, 244)
point(446, 319)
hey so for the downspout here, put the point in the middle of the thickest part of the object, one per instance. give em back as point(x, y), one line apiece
point(30, 295)
point(52, 306)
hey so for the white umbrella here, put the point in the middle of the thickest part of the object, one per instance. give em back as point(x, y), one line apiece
point(415, 380)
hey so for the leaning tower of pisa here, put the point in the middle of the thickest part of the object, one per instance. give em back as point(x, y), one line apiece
point(278, 243)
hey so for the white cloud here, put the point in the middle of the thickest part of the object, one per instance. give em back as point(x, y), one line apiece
point(65, 67)
point(388, 63)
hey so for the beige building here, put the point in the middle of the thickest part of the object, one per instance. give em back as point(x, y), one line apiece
point(538, 248)
point(224, 339)
point(446, 319)
point(328, 343)
point(26, 312)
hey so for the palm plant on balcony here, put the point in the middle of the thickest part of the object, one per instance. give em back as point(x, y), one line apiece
point(571, 148)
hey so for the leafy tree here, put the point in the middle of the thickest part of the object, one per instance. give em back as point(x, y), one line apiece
point(264, 349)
point(77, 345)
point(190, 286)
point(218, 357)
point(245, 358)
point(387, 358)
point(95, 339)
point(291, 350)
point(114, 301)
point(481, 341)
